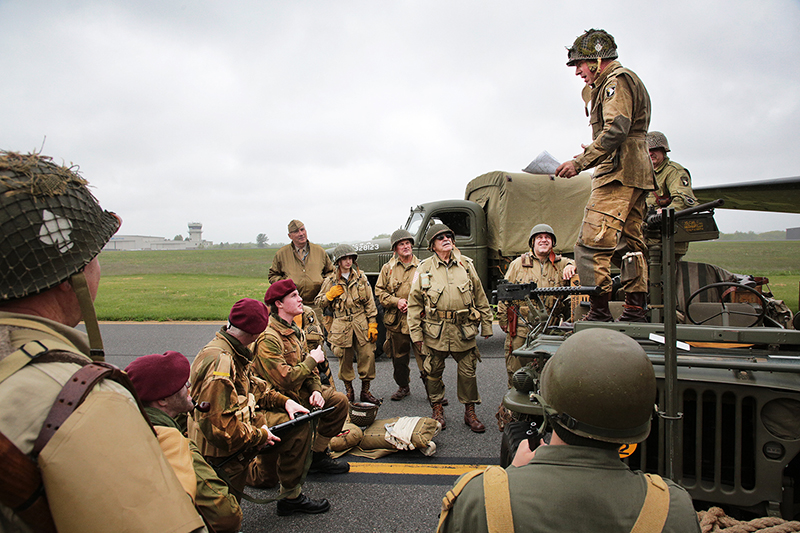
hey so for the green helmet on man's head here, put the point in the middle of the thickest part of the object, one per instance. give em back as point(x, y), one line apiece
point(656, 139)
point(592, 44)
point(437, 229)
point(401, 235)
point(541, 228)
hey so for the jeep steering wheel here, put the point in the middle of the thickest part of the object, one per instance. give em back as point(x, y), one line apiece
point(726, 312)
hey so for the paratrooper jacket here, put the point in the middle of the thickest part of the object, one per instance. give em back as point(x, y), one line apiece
point(353, 311)
point(394, 284)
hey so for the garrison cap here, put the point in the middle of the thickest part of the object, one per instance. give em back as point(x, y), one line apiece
point(295, 225)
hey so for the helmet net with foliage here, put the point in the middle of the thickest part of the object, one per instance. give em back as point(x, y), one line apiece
point(437, 229)
point(401, 235)
point(51, 226)
point(344, 250)
point(592, 44)
point(656, 139)
point(600, 385)
point(541, 228)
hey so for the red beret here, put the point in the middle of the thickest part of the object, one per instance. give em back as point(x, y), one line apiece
point(156, 376)
point(278, 290)
point(249, 315)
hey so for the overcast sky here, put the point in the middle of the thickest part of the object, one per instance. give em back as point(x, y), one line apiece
point(245, 114)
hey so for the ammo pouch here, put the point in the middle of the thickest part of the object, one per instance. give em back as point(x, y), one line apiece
point(391, 318)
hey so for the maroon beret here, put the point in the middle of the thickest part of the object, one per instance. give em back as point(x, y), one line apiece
point(249, 315)
point(278, 290)
point(157, 376)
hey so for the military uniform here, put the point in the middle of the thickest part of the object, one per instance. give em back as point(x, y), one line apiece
point(281, 359)
point(525, 269)
point(353, 311)
point(394, 284)
point(103, 455)
point(221, 375)
point(211, 496)
point(612, 222)
point(306, 272)
point(445, 307)
point(572, 488)
point(673, 190)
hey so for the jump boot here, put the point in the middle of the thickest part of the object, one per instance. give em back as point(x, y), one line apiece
point(366, 396)
point(599, 311)
point(471, 419)
point(401, 393)
point(438, 414)
point(635, 309)
point(348, 390)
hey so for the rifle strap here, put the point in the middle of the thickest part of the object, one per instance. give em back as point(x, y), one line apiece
point(450, 497)
point(498, 500)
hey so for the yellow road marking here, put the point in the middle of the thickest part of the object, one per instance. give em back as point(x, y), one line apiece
point(417, 469)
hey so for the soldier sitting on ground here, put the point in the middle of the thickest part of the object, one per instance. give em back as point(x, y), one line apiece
point(162, 383)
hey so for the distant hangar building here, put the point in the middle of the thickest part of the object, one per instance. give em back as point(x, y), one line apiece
point(793, 234)
point(145, 242)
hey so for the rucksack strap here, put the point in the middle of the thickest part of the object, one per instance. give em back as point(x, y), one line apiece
point(450, 497)
point(498, 500)
point(655, 509)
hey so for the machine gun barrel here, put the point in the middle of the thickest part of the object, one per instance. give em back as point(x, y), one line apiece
point(520, 291)
point(655, 218)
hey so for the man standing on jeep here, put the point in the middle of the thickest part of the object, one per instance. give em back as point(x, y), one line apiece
point(612, 221)
point(446, 306)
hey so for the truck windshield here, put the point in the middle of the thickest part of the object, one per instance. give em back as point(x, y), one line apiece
point(414, 221)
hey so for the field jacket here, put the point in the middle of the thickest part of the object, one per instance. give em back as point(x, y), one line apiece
point(353, 311)
point(306, 275)
point(394, 284)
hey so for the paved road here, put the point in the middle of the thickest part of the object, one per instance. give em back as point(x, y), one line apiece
point(360, 502)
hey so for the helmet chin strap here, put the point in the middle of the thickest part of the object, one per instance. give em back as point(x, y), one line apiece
point(81, 289)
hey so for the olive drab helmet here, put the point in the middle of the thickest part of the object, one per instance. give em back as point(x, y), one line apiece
point(592, 44)
point(541, 228)
point(344, 250)
point(401, 235)
point(51, 227)
point(600, 385)
point(435, 230)
point(656, 139)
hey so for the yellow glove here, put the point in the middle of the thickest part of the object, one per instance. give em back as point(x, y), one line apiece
point(334, 292)
point(372, 333)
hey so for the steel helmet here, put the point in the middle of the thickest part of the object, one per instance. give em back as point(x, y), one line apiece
point(437, 229)
point(343, 250)
point(51, 226)
point(592, 44)
point(600, 385)
point(541, 228)
point(656, 139)
point(401, 235)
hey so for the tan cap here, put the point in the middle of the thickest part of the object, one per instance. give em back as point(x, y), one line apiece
point(295, 225)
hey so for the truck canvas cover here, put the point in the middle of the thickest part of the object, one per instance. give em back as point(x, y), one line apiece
point(514, 202)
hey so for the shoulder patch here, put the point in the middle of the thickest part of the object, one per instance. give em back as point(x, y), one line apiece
point(611, 89)
point(685, 181)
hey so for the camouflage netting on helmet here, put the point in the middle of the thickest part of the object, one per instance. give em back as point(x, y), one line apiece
point(592, 44)
point(51, 226)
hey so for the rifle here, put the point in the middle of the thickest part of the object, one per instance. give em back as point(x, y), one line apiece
point(22, 489)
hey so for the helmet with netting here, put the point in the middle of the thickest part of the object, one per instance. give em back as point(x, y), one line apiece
point(600, 385)
point(51, 226)
point(592, 44)
point(438, 229)
point(541, 228)
point(401, 235)
point(344, 250)
point(656, 139)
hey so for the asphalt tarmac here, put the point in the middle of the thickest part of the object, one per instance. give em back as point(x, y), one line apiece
point(388, 498)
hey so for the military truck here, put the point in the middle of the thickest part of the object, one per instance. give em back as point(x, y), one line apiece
point(728, 424)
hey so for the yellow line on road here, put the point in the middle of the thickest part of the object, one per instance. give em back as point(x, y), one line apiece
point(416, 469)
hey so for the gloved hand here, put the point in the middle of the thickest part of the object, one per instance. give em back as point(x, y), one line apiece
point(334, 292)
point(372, 333)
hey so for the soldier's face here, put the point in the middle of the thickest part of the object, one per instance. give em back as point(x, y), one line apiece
point(587, 75)
point(291, 304)
point(443, 243)
point(180, 402)
point(542, 244)
point(299, 237)
point(657, 156)
point(404, 249)
point(346, 263)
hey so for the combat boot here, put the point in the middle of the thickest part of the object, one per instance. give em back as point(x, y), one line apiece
point(367, 396)
point(599, 311)
point(471, 419)
point(401, 393)
point(635, 309)
point(302, 504)
point(348, 389)
point(438, 414)
point(323, 463)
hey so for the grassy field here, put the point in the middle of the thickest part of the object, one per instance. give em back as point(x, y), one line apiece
point(203, 284)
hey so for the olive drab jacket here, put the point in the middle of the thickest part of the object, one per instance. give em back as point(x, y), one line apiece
point(308, 275)
point(620, 117)
point(527, 268)
point(221, 375)
point(673, 187)
point(281, 358)
point(103, 454)
point(447, 304)
point(353, 311)
point(394, 284)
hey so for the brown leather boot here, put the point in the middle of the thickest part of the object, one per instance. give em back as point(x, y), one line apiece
point(438, 414)
point(599, 311)
point(471, 419)
point(401, 393)
point(366, 396)
point(348, 390)
point(635, 309)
